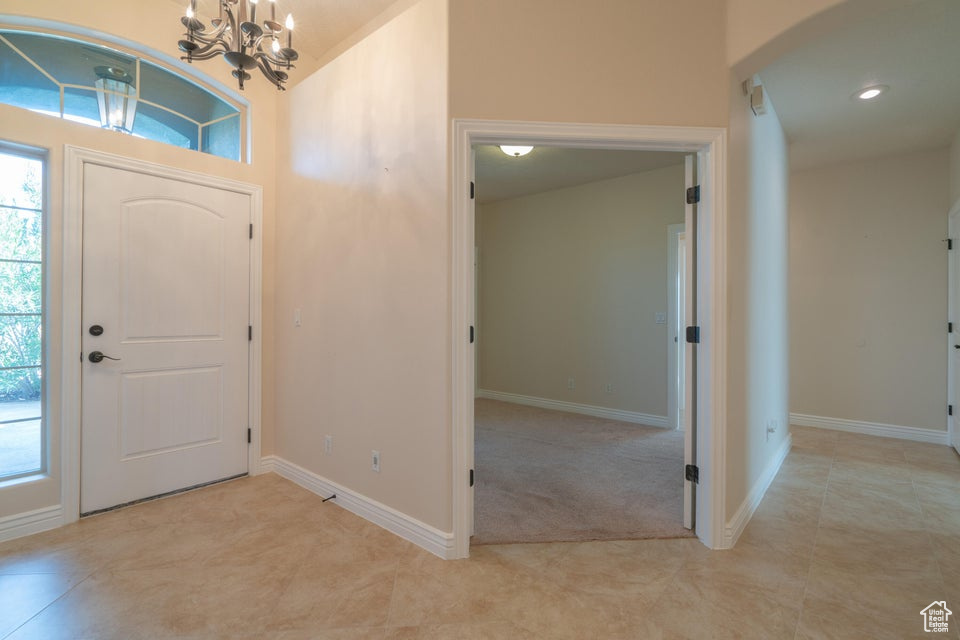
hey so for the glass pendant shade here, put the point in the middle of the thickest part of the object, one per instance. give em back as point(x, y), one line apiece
point(116, 99)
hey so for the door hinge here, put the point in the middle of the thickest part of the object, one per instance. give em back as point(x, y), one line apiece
point(693, 194)
point(249, 435)
point(949, 327)
point(693, 335)
point(472, 190)
point(249, 333)
point(949, 242)
point(692, 473)
point(471, 477)
point(471, 334)
point(949, 409)
point(251, 231)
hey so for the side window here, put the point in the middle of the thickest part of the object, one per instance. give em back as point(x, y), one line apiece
point(22, 434)
point(102, 87)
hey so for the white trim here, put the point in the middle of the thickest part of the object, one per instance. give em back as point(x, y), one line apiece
point(916, 434)
point(674, 231)
point(30, 522)
point(953, 429)
point(421, 534)
point(750, 504)
point(74, 160)
point(633, 417)
point(710, 146)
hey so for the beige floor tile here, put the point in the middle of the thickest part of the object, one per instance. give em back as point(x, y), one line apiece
point(161, 603)
point(23, 596)
point(899, 595)
point(821, 620)
point(853, 538)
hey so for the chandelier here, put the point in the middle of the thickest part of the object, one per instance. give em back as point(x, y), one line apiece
point(243, 43)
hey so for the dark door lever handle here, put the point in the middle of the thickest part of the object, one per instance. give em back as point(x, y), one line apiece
point(98, 356)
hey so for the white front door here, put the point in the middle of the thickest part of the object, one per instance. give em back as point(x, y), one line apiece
point(166, 301)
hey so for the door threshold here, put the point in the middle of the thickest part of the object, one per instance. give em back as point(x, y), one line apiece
point(162, 495)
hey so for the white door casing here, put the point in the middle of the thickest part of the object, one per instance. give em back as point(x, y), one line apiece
point(680, 324)
point(953, 338)
point(689, 350)
point(674, 322)
point(709, 144)
point(162, 350)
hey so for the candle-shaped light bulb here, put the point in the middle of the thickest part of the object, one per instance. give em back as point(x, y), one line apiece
point(276, 45)
point(289, 24)
point(190, 11)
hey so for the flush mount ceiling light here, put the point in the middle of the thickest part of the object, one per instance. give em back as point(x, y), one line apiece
point(514, 150)
point(869, 93)
point(243, 43)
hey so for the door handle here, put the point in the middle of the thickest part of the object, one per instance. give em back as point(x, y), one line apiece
point(99, 356)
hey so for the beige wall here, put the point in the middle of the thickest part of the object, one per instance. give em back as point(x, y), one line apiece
point(365, 233)
point(955, 169)
point(570, 282)
point(868, 290)
point(758, 329)
point(155, 25)
point(600, 62)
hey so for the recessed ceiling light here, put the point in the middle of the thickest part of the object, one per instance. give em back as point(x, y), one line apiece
point(871, 92)
point(515, 151)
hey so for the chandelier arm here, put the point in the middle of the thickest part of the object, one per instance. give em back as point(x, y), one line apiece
point(210, 50)
point(269, 73)
point(216, 32)
point(209, 41)
point(209, 55)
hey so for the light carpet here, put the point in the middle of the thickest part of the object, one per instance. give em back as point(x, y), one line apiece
point(551, 476)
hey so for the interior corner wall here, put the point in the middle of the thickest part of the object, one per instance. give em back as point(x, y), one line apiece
point(599, 62)
point(758, 333)
point(955, 170)
point(137, 23)
point(365, 232)
point(868, 290)
point(584, 267)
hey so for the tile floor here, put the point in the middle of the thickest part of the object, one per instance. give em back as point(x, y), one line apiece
point(854, 538)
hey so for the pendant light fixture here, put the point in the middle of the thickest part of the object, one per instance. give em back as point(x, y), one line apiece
point(116, 98)
point(245, 44)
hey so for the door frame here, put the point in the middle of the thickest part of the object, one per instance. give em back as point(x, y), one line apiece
point(674, 231)
point(710, 146)
point(75, 158)
point(953, 232)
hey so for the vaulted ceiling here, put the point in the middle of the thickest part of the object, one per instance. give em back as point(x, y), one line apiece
point(915, 51)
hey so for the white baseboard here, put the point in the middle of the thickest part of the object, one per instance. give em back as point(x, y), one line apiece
point(25, 524)
point(871, 428)
point(423, 535)
point(749, 505)
point(572, 407)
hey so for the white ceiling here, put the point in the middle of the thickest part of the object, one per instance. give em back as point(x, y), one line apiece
point(319, 24)
point(500, 176)
point(916, 51)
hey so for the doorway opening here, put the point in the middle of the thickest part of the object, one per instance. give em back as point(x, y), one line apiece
point(707, 146)
point(573, 440)
point(22, 425)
